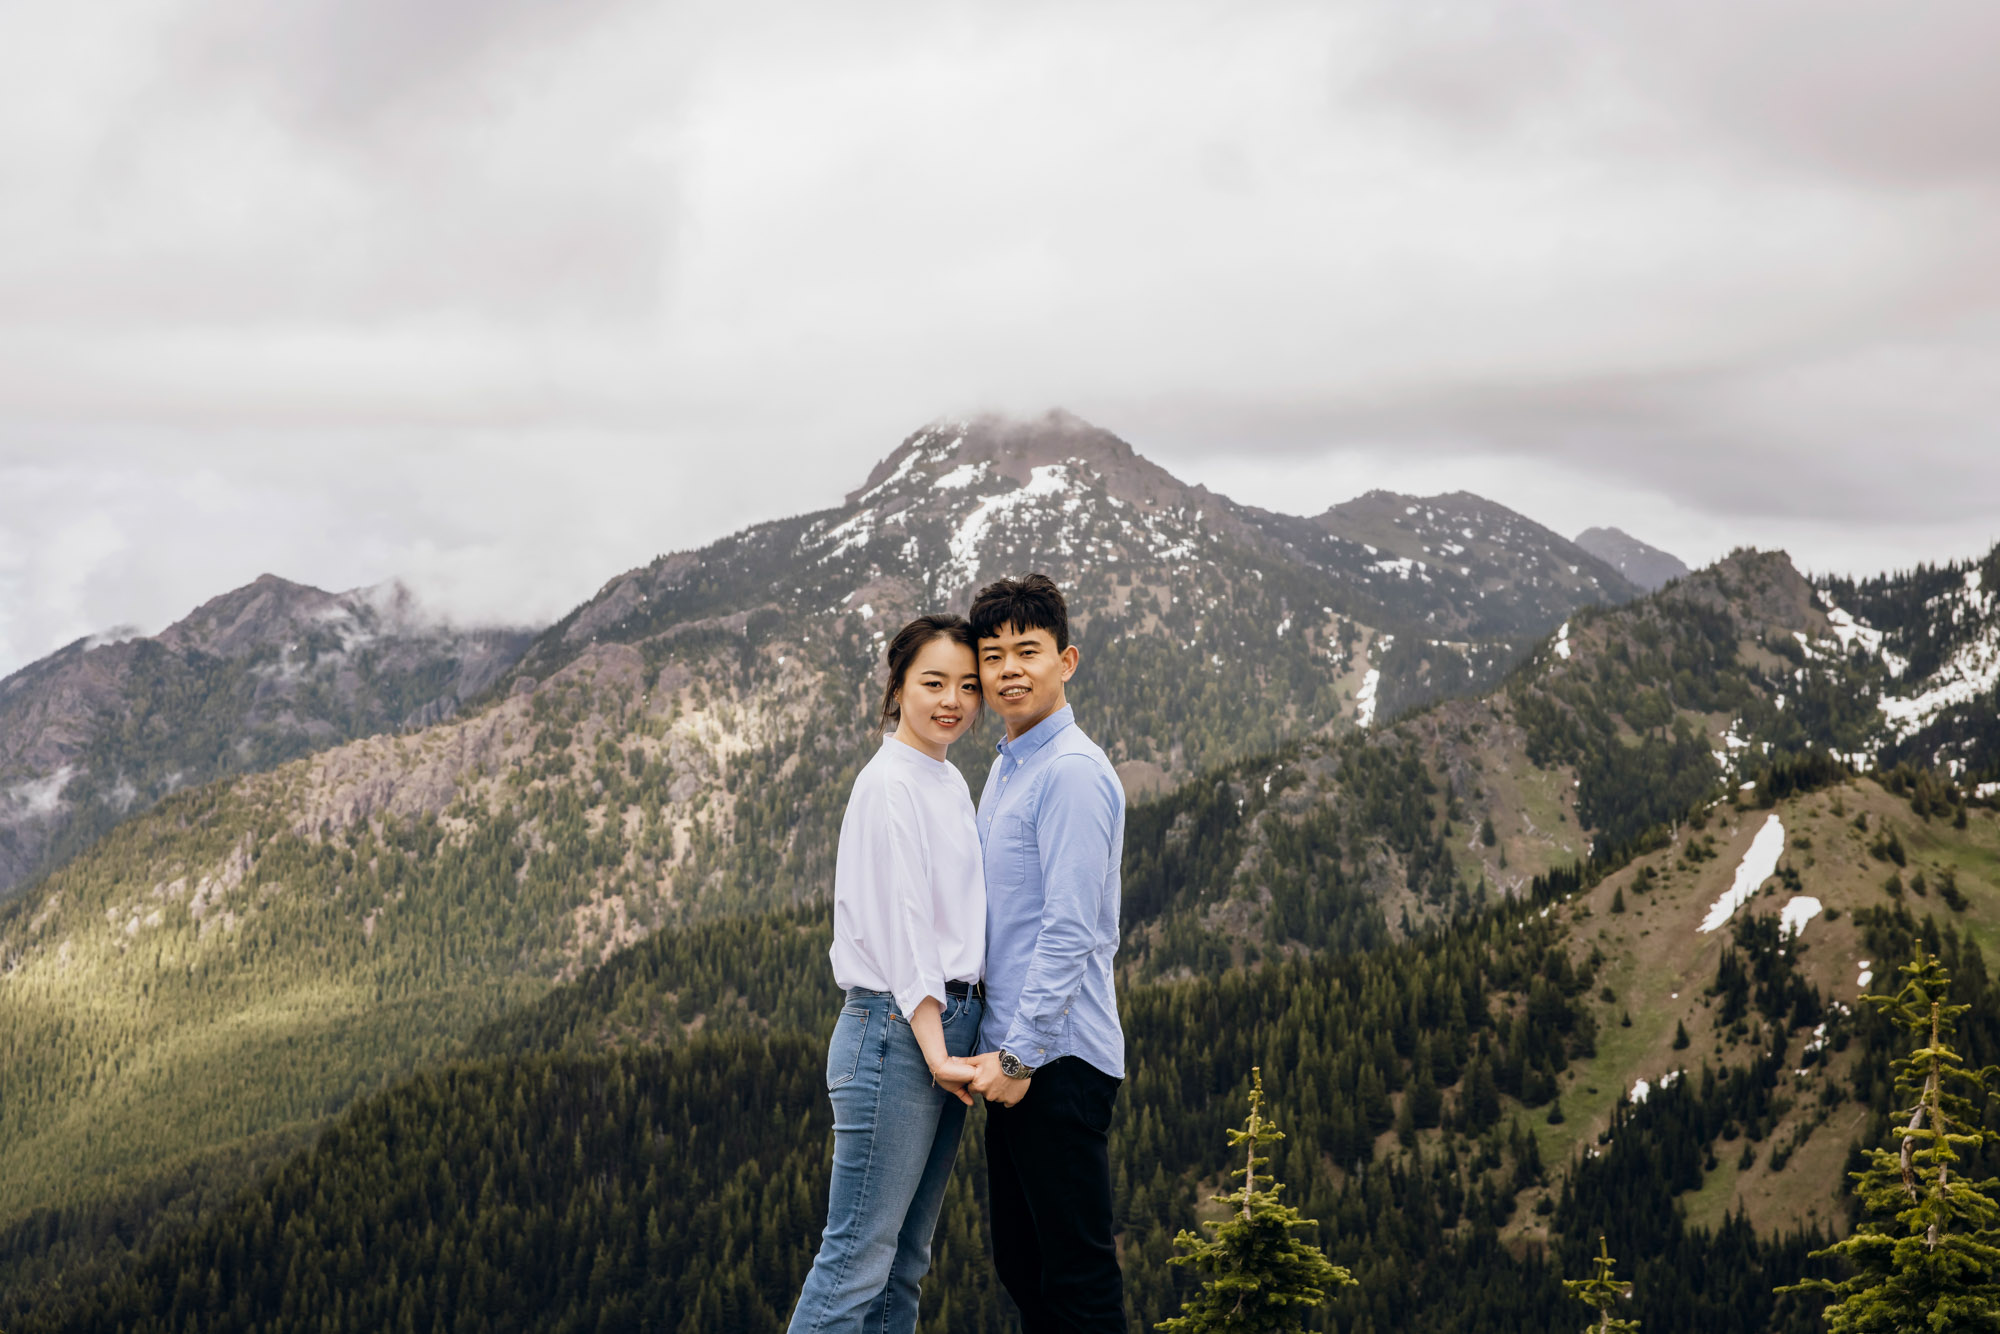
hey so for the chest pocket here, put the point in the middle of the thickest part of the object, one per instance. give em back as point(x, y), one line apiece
point(1014, 861)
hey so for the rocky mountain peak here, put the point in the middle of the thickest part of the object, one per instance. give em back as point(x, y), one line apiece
point(1762, 588)
point(1647, 566)
point(1057, 447)
point(247, 618)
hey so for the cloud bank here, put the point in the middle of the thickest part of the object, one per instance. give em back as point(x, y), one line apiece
point(505, 297)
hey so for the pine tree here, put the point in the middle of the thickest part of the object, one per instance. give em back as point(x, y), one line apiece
point(1926, 1258)
point(1260, 1279)
point(1601, 1292)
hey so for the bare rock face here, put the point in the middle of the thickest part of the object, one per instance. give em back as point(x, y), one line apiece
point(99, 730)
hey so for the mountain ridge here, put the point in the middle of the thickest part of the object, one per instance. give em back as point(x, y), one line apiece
point(392, 898)
point(102, 728)
point(675, 749)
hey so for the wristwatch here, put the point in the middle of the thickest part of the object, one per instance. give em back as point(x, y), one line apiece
point(1010, 1066)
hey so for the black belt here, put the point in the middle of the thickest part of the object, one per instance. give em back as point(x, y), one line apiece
point(976, 990)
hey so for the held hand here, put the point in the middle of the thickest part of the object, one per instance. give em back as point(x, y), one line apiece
point(952, 1076)
point(986, 1069)
point(994, 1086)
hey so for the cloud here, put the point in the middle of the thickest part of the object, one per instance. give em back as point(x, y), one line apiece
point(501, 296)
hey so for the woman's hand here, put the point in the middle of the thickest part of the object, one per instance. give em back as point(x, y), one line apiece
point(949, 1073)
point(952, 1075)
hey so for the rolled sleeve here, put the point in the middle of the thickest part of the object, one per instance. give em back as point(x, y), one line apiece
point(1075, 833)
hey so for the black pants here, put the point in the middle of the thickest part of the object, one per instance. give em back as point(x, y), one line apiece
point(1050, 1183)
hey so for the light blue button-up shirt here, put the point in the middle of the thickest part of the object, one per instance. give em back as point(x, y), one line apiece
point(1052, 825)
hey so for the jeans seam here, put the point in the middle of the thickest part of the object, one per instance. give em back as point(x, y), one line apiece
point(862, 1042)
point(861, 1197)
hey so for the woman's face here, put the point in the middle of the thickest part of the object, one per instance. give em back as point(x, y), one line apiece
point(940, 696)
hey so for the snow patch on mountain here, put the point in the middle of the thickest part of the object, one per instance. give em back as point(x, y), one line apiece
point(1798, 910)
point(1970, 672)
point(1046, 482)
point(1364, 699)
point(1760, 863)
point(964, 475)
point(851, 535)
point(1852, 632)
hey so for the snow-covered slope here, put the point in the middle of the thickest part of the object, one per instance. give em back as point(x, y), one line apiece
point(1929, 640)
point(1211, 627)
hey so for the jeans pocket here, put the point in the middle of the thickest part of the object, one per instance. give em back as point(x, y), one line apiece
point(961, 1028)
point(843, 1050)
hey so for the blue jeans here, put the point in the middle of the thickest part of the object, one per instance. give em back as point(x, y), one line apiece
point(895, 1134)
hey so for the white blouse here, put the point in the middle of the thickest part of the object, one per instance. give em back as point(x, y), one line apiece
point(909, 887)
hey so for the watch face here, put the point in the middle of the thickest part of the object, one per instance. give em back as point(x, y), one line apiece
point(1010, 1066)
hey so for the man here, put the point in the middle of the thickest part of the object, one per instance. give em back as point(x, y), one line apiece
point(1052, 828)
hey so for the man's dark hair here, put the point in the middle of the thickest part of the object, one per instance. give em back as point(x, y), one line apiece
point(903, 650)
point(1032, 602)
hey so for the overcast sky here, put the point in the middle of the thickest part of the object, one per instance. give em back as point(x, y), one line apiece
point(505, 297)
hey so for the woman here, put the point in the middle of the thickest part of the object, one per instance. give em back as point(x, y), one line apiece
point(909, 945)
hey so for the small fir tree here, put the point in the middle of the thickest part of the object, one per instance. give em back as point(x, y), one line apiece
point(1259, 1278)
point(1926, 1258)
point(1601, 1291)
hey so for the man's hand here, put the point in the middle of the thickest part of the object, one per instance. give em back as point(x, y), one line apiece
point(993, 1085)
point(952, 1076)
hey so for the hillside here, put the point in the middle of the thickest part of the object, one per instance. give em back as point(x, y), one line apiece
point(1326, 849)
point(1464, 1112)
point(676, 749)
point(104, 728)
point(664, 771)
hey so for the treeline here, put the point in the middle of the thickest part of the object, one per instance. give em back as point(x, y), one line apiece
point(639, 1190)
point(581, 1176)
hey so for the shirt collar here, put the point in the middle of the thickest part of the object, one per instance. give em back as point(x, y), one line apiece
point(1032, 740)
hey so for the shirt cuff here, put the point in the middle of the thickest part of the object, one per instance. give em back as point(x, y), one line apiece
point(911, 995)
point(1032, 1046)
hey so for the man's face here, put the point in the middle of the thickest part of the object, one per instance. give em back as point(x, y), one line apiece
point(1023, 675)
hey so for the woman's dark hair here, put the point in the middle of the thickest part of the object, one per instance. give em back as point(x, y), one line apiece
point(903, 650)
point(1032, 602)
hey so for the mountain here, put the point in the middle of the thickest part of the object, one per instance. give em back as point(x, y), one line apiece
point(676, 749)
point(1647, 566)
point(1488, 571)
point(1668, 1051)
point(1405, 920)
point(104, 728)
point(1289, 623)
